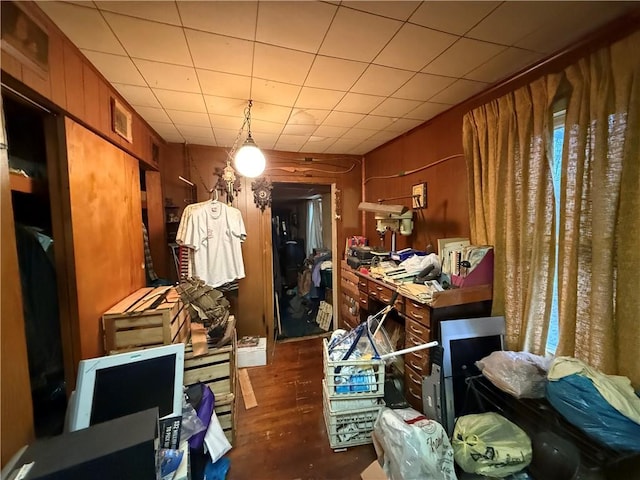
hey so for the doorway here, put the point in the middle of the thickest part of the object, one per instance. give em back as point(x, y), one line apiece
point(302, 232)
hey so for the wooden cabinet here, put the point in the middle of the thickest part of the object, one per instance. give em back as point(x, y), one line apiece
point(349, 296)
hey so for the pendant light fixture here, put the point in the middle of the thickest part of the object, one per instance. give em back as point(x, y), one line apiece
point(249, 161)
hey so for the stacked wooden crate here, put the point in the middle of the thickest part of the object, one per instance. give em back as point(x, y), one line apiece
point(149, 317)
point(349, 304)
point(353, 392)
point(216, 368)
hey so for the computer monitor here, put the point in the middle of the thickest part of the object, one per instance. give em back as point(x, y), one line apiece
point(464, 342)
point(117, 385)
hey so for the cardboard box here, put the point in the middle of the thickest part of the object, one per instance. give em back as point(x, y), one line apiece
point(253, 356)
point(373, 472)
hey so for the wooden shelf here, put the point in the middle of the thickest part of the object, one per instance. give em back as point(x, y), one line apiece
point(20, 183)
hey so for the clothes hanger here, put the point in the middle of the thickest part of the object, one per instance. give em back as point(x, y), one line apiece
point(214, 195)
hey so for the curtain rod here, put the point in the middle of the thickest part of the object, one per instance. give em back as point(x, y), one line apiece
point(415, 170)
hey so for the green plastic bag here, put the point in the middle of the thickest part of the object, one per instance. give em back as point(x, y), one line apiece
point(489, 444)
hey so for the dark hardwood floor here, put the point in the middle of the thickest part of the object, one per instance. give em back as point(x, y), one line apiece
point(284, 437)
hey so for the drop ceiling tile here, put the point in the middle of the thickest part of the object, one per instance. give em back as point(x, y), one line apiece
point(459, 91)
point(195, 131)
point(224, 84)
point(397, 9)
point(307, 116)
point(301, 26)
point(226, 106)
point(264, 127)
point(342, 119)
point(226, 122)
point(343, 145)
point(359, 103)
point(85, 27)
point(167, 131)
point(377, 80)
point(276, 93)
point(163, 12)
point(462, 57)
point(270, 113)
point(268, 140)
point(427, 111)
point(413, 47)
point(365, 147)
point(226, 136)
point(233, 19)
point(150, 40)
point(198, 140)
point(81, 3)
point(318, 98)
point(395, 107)
point(403, 125)
point(358, 36)
point(187, 102)
point(512, 21)
point(137, 96)
point(298, 129)
point(317, 146)
point(504, 64)
point(374, 122)
point(423, 86)
point(288, 141)
point(359, 134)
point(330, 131)
point(281, 64)
point(116, 68)
point(153, 114)
point(219, 53)
point(452, 17)
point(195, 119)
point(334, 73)
point(383, 137)
point(169, 77)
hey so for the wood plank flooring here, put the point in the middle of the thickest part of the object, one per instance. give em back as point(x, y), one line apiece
point(284, 437)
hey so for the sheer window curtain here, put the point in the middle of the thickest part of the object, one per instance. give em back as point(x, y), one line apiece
point(508, 148)
point(314, 225)
point(599, 244)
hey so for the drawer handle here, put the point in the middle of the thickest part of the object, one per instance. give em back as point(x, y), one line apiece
point(414, 366)
point(419, 397)
point(379, 288)
point(416, 330)
point(414, 380)
point(416, 305)
point(363, 301)
point(373, 294)
point(416, 315)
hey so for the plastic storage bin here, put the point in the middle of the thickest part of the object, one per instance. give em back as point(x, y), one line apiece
point(343, 378)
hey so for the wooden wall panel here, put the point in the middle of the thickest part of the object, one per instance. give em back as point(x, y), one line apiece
point(104, 188)
point(10, 65)
point(16, 417)
point(156, 226)
point(73, 80)
point(91, 90)
point(56, 70)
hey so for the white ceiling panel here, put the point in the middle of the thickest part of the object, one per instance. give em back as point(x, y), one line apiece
point(413, 47)
point(301, 28)
point(281, 64)
point(169, 77)
point(357, 35)
point(150, 40)
point(117, 68)
point(162, 12)
point(452, 17)
point(233, 19)
point(220, 53)
point(326, 76)
point(462, 57)
point(219, 83)
point(85, 27)
point(423, 86)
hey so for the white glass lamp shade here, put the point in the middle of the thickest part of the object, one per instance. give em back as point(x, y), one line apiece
point(249, 161)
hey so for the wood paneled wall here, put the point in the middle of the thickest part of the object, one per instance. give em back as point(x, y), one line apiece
point(16, 416)
point(255, 296)
point(106, 221)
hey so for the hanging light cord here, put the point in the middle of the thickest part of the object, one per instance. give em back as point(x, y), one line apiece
point(247, 123)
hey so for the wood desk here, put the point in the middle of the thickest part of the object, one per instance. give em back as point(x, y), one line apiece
point(362, 295)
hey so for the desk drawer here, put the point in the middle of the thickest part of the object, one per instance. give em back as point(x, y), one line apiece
point(362, 284)
point(417, 330)
point(418, 312)
point(418, 361)
point(413, 388)
point(364, 301)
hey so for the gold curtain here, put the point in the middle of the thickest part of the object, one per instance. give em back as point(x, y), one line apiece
point(599, 241)
point(507, 145)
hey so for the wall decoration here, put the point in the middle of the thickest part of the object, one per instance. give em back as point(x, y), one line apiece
point(24, 38)
point(262, 193)
point(228, 182)
point(338, 201)
point(121, 120)
point(419, 195)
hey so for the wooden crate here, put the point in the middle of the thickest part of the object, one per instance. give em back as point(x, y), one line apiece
point(132, 324)
point(225, 408)
point(216, 368)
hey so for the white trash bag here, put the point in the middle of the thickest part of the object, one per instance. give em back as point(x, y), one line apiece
point(416, 450)
point(489, 444)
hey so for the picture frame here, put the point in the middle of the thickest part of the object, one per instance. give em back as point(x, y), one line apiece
point(121, 120)
point(419, 196)
point(24, 38)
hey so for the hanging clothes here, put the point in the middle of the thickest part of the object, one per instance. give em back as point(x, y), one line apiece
point(214, 233)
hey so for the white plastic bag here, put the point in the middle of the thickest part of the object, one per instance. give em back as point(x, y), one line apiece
point(489, 444)
point(417, 450)
point(520, 374)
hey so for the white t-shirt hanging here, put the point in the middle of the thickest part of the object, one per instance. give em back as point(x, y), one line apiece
point(215, 232)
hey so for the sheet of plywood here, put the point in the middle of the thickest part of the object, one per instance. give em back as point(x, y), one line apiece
point(247, 389)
